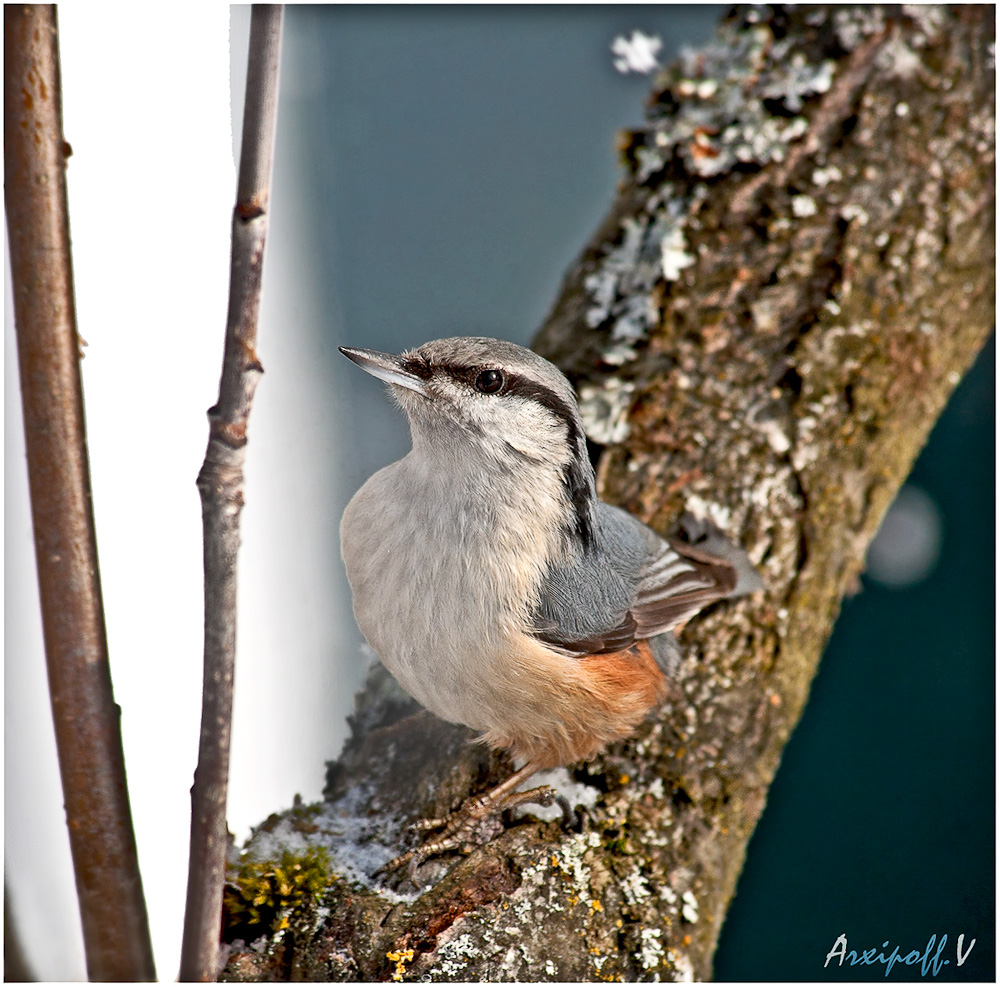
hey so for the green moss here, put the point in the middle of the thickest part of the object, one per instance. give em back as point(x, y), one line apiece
point(260, 897)
point(616, 840)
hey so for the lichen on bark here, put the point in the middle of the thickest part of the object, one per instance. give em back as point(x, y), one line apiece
point(796, 272)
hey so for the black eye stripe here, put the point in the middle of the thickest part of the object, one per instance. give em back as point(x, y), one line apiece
point(517, 384)
point(418, 366)
point(510, 383)
point(534, 391)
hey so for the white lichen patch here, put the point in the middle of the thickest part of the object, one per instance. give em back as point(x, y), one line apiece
point(656, 790)
point(899, 59)
point(764, 142)
point(930, 16)
point(770, 489)
point(674, 254)
point(690, 716)
point(799, 81)
point(635, 887)
point(604, 410)
point(651, 249)
point(700, 88)
point(777, 437)
point(635, 315)
point(718, 514)
point(619, 353)
point(822, 177)
point(727, 91)
point(668, 894)
point(805, 451)
point(651, 952)
point(853, 25)
point(683, 967)
point(636, 53)
point(568, 860)
point(804, 206)
point(517, 940)
point(617, 264)
point(689, 908)
point(852, 211)
point(455, 955)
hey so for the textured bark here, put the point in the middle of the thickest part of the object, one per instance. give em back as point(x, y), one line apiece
point(796, 272)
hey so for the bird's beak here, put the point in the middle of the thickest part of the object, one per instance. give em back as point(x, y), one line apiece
point(385, 366)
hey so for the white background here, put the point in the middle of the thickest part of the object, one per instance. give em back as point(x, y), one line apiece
point(151, 189)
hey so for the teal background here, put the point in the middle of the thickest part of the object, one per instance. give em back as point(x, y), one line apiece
point(880, 822)
point(454, 160)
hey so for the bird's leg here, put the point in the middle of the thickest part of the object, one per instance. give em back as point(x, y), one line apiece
point(466, 829)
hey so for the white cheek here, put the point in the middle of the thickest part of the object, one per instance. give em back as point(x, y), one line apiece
point(535, 434)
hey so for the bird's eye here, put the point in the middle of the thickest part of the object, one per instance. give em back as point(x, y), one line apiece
point(489, 381)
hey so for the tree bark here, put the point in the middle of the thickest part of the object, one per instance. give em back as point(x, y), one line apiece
point(795, 274)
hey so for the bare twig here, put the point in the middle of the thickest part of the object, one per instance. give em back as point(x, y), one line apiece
point(220, 483)
point(87, 721)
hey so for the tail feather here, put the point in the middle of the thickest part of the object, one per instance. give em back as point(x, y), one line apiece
point(703, 535)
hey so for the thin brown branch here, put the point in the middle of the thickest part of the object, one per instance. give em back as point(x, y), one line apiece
point(220, 483)
point(87, 721)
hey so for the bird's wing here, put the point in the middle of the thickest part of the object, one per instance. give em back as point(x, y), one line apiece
point(678, 582)
point(636, 585)
point(616, 638)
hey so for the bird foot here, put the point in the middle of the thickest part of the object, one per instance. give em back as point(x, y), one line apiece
point(472, 825)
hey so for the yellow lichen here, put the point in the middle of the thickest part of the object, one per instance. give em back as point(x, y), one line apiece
point(400, 957)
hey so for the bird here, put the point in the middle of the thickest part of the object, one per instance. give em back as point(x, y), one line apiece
point(495, 585)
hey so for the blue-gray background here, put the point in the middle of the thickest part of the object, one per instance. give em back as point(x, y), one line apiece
point(451, 162)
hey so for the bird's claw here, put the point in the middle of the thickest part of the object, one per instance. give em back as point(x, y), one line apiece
point(472, 825)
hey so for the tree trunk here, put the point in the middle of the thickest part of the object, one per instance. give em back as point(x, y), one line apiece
point(796, 272)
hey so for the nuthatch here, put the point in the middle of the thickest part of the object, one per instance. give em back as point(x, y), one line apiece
point(496, 587)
